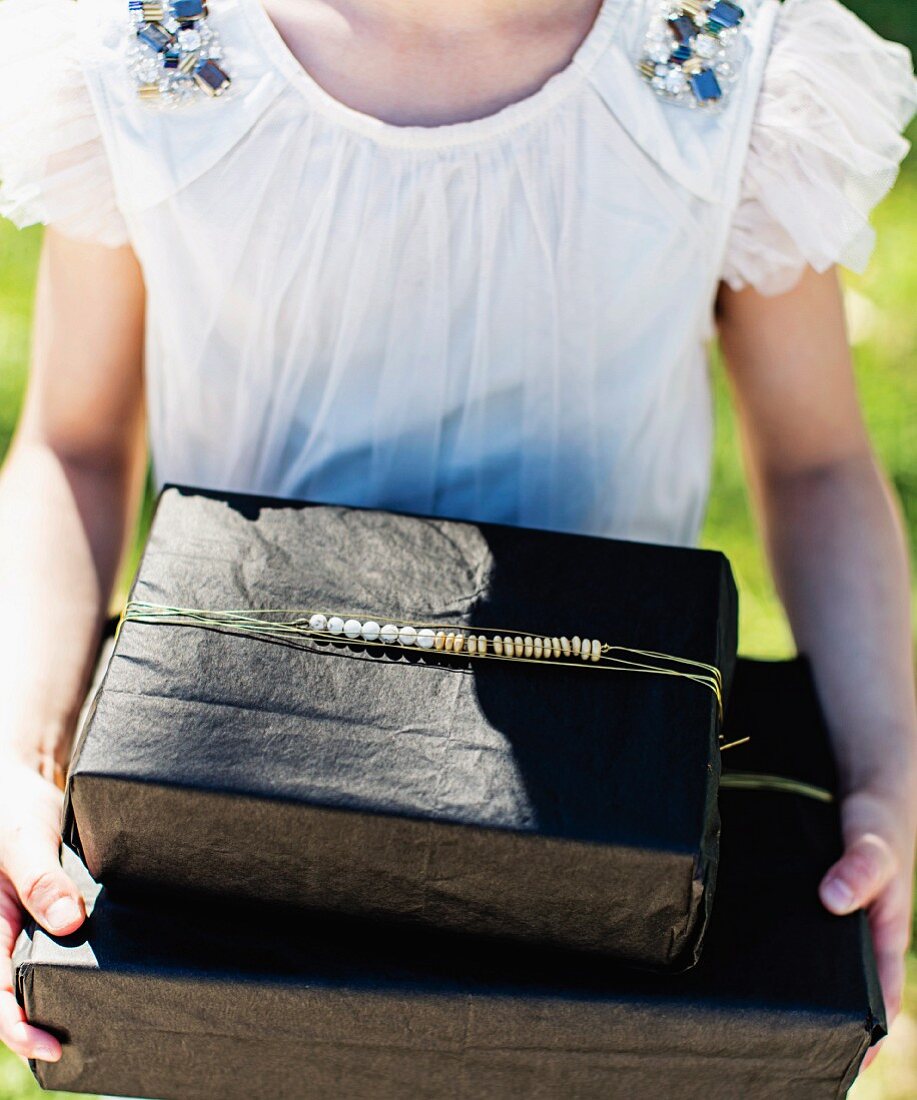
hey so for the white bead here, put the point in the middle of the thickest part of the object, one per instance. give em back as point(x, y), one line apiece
point(482, 644)
point(576, 644)
point(389, 633)
point(318, 622)
point(407, 635)
point(371, 631)
point(426, 638)
point(353, 628)
point(498, 645)
point(472, 644)
point(596, 649)
point(336, 625)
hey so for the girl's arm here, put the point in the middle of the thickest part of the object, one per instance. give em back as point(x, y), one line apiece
point(68, 497)
point(839, 557)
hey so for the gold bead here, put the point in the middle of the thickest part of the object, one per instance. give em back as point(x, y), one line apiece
point(528, 649)
point(576, 644)
point(148, 91)
point(498, 645)
point(518, 646)
point(188, 62)
point(538, 646)
point(555, 646)
point(458, 643)
point(586, 649)
point(440, 640)
point(565, 646)
point(450, 639)
point(482, 644)
point(472, 645)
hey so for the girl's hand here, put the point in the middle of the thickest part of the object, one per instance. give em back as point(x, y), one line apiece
point(31, 878)
point(876, 873)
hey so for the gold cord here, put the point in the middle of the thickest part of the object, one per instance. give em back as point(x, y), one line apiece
point(750, 781)
point(264, 624)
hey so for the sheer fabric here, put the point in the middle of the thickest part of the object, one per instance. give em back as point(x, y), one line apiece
point(503, 319)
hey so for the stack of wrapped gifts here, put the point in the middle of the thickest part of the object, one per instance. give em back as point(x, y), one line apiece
point(385, 806)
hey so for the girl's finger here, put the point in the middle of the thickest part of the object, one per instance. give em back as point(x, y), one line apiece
point(33, 866)
point(859, 876)
point(19, 1035)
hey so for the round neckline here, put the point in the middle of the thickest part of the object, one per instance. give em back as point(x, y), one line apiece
point(514, 114)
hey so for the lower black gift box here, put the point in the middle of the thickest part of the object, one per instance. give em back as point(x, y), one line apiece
point(193, 1003)
point(546, 799)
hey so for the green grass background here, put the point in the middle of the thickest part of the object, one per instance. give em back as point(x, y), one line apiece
point(882, 306)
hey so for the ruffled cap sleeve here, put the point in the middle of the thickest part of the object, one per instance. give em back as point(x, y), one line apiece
point(825, 147)
point(53, 164)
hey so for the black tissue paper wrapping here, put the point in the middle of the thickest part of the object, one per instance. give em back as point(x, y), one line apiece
point(193, 1002)
point(556, 805)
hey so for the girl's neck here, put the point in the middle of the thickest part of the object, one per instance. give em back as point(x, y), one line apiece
point(450, 15)
point(432, 62)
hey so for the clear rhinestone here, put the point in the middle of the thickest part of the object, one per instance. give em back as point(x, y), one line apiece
point(676, 82)
point(662, 70)
point(659, 83)
point(705, 45)
point(148, 71)
point(171, 25)
point(189, 40)
point(659, 51)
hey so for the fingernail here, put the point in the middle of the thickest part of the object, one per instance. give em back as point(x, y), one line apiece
point(62, 913)
point(837, 895)
point(46, 1052)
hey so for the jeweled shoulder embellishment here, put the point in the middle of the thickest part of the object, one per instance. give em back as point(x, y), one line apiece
point(174, 54)
point(692, 51)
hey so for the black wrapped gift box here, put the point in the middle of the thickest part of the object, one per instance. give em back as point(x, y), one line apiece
point(564, 806)
point(192, 1003)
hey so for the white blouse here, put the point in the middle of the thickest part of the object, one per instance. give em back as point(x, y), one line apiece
point(505, 319)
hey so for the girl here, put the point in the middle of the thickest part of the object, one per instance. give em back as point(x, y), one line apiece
point(456, 259)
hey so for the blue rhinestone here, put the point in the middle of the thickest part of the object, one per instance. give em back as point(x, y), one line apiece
point(684, 27)
point(726, 14)
point(171, 58)
point(211, 78)
point(682, 53)
point(706, 86)
point(154, 36)
point(188, 9)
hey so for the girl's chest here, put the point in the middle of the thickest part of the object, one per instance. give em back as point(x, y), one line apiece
point(303, 229)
